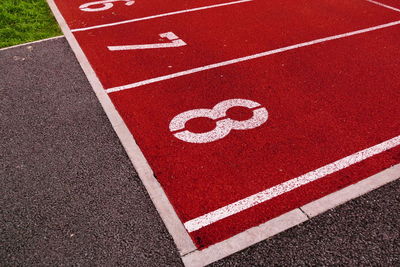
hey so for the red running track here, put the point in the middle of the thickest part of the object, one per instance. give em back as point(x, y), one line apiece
point(324, 101)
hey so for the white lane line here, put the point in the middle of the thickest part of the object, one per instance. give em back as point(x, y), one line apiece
point(350, 192)
point(248, 202)
point(283, 222)
point(241, 59)
point(384, 5)
point(159, 16)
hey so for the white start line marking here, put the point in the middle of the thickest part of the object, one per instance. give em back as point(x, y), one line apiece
point(175, 42)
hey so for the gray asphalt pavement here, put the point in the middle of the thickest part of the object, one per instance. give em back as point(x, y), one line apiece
point(362, 232)
point(70, 196)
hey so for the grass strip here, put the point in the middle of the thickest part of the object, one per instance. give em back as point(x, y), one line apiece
point(23, 21)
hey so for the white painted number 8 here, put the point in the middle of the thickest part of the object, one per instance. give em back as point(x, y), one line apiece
point(223, 125)
point(103, 5)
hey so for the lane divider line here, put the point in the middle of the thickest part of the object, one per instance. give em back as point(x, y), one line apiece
point(159, 16)
point(241, 59)
point(263, 196)
point(384, 5)
point(288, 220)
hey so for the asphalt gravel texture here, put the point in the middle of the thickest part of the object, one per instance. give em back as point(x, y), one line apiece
point(362, 232)
point(70, 196)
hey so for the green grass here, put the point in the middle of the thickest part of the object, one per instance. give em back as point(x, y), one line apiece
point(23, 21)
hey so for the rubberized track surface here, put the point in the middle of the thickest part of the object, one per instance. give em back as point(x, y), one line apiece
point(70, 195)
point(310, 92)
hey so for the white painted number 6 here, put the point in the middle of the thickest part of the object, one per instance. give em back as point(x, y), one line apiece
point(223, 125)
point(103, 5)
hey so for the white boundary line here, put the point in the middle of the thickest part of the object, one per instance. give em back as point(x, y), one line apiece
point(190, 255)
point(30, 43)
point(246, 58)
point(280, 189)
point(290, 219)
point(175, 227)
point(159, 16)
point(383, 5)
point(350, 192)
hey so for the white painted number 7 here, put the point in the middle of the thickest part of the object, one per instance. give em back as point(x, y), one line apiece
point(175, 42)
